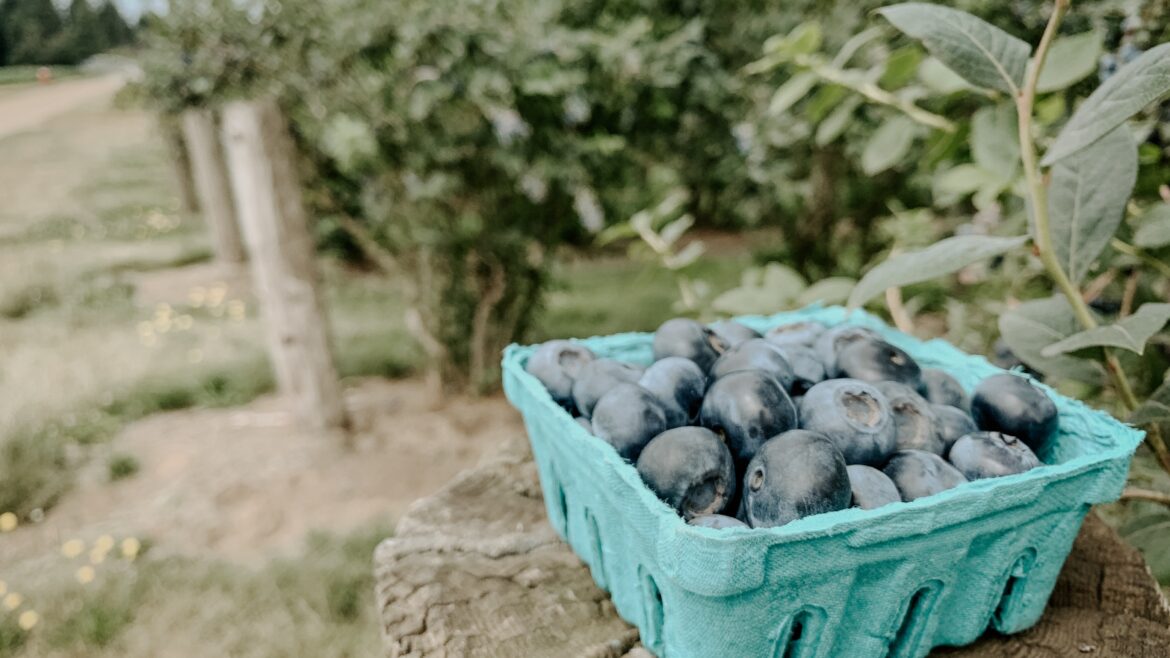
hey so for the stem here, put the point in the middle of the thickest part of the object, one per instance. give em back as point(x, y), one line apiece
point(1038, 197)
point(838, 76)
point(1137, 493)
point(1130, 250)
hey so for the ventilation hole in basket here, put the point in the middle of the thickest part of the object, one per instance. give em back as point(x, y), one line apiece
point(654, 614)
point(559, 506)
point(799, 638)
point(1013, 589)
point(595, 545)
point(911, 633)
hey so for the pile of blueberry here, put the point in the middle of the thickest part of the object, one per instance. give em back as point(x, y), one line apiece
point(734, 428)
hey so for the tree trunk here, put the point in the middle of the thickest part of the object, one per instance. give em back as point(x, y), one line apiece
point(262, 160)
point(180, 162)
point(215, 196)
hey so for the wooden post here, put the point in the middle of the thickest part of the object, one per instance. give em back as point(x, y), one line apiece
point(180, 162)
point(215, 195)
point(262, 160)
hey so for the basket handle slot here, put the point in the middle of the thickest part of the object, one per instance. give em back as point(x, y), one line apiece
point(558, 505)
point(654, 615)
point(1013, 589)
point(911, 631)
point(800, 634)
point(595, 546)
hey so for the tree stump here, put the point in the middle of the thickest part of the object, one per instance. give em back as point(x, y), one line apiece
point(475, 570)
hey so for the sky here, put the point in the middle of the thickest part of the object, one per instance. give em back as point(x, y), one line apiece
point(132, 9)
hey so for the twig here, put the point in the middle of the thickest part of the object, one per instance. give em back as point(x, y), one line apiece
point(1098, 285)
point(1130, 250)
point(1137, 493)
point(902, 319)
point(1130, 290)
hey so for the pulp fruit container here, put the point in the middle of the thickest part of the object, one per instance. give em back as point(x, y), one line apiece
point(893, 581)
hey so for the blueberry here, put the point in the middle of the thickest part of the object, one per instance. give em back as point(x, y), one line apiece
point(941, 388)
point(690, 340)
point(556, 364)
point(875, 360)
point(794, 475)
point(855, 415)
point(627, 417)
point(732, 332)
point(830, 342)
point(747, 408)
point(953, 424)
point(991, 454)
point(918, 474)
point(584, 422)
point(679, 384)
point(871, 487)
point(807, 368)
point(597, 377)
point(755, 354)
point(915, 422)
point(690, 469)
point(795, 333)
point(717, 522)
point(1012, 405)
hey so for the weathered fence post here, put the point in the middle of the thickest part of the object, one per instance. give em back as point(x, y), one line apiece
point(215, 197)
point(261, 160)
point(172, 134)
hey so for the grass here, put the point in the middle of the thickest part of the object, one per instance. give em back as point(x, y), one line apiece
point(15, 75)
point(316, 603)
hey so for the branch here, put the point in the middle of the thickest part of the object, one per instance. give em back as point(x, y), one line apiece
point(1149, 495)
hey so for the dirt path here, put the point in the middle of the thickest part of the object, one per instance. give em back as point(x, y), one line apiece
point(246, 482)
point(31, 107)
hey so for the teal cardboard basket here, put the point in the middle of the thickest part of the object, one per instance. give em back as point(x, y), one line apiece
point(894, 581)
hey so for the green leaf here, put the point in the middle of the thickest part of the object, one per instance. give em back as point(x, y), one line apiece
point(837, 121)
point(762, 290)
point(1131, 333)
point(802, 40)
point(940, 78)
point(981, 53)
point(993, 139)
point(943, 257)
point(1036, 324)
point(825, 100)
point(1087, 197)
point(964, 179)
point(1154, 229)
point(833, 290)
point(888, 145)
point(1070, 60)
point(1124, 94)
point(790, 93)
point(1154, 410)
point(900, 67)
point(1151, 541)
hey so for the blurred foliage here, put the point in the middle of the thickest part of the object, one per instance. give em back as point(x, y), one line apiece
point(38, 32)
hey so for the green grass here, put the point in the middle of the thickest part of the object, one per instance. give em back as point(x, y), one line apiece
point(316, 603)
point(14, 75)
point(122, 466)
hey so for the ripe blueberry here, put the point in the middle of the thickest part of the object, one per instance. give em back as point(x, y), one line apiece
point(991, 454)
point(794, 475)
point(755, 354)
point(717, 522)
point(830, 343)
point(597, 377)
point(679, 385)
point(918, 474)
point(871, 487)
point(854, 415)
point(690, 340)
point(940, 387)
point(690, 469)
point(627, 417)
point(733, 333)
point(953, 424)
point(807, 368)
point(1012, 405)
point(915, 422)
point(795, 333)
point(747, 408)
point(556, 364)
point(875, 360)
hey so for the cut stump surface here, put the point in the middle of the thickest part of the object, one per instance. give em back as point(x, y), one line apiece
point(476, 571)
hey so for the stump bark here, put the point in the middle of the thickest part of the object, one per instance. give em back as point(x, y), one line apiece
point(475, 570)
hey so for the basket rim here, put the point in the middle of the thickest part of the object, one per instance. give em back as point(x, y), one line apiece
point(1123, 439)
